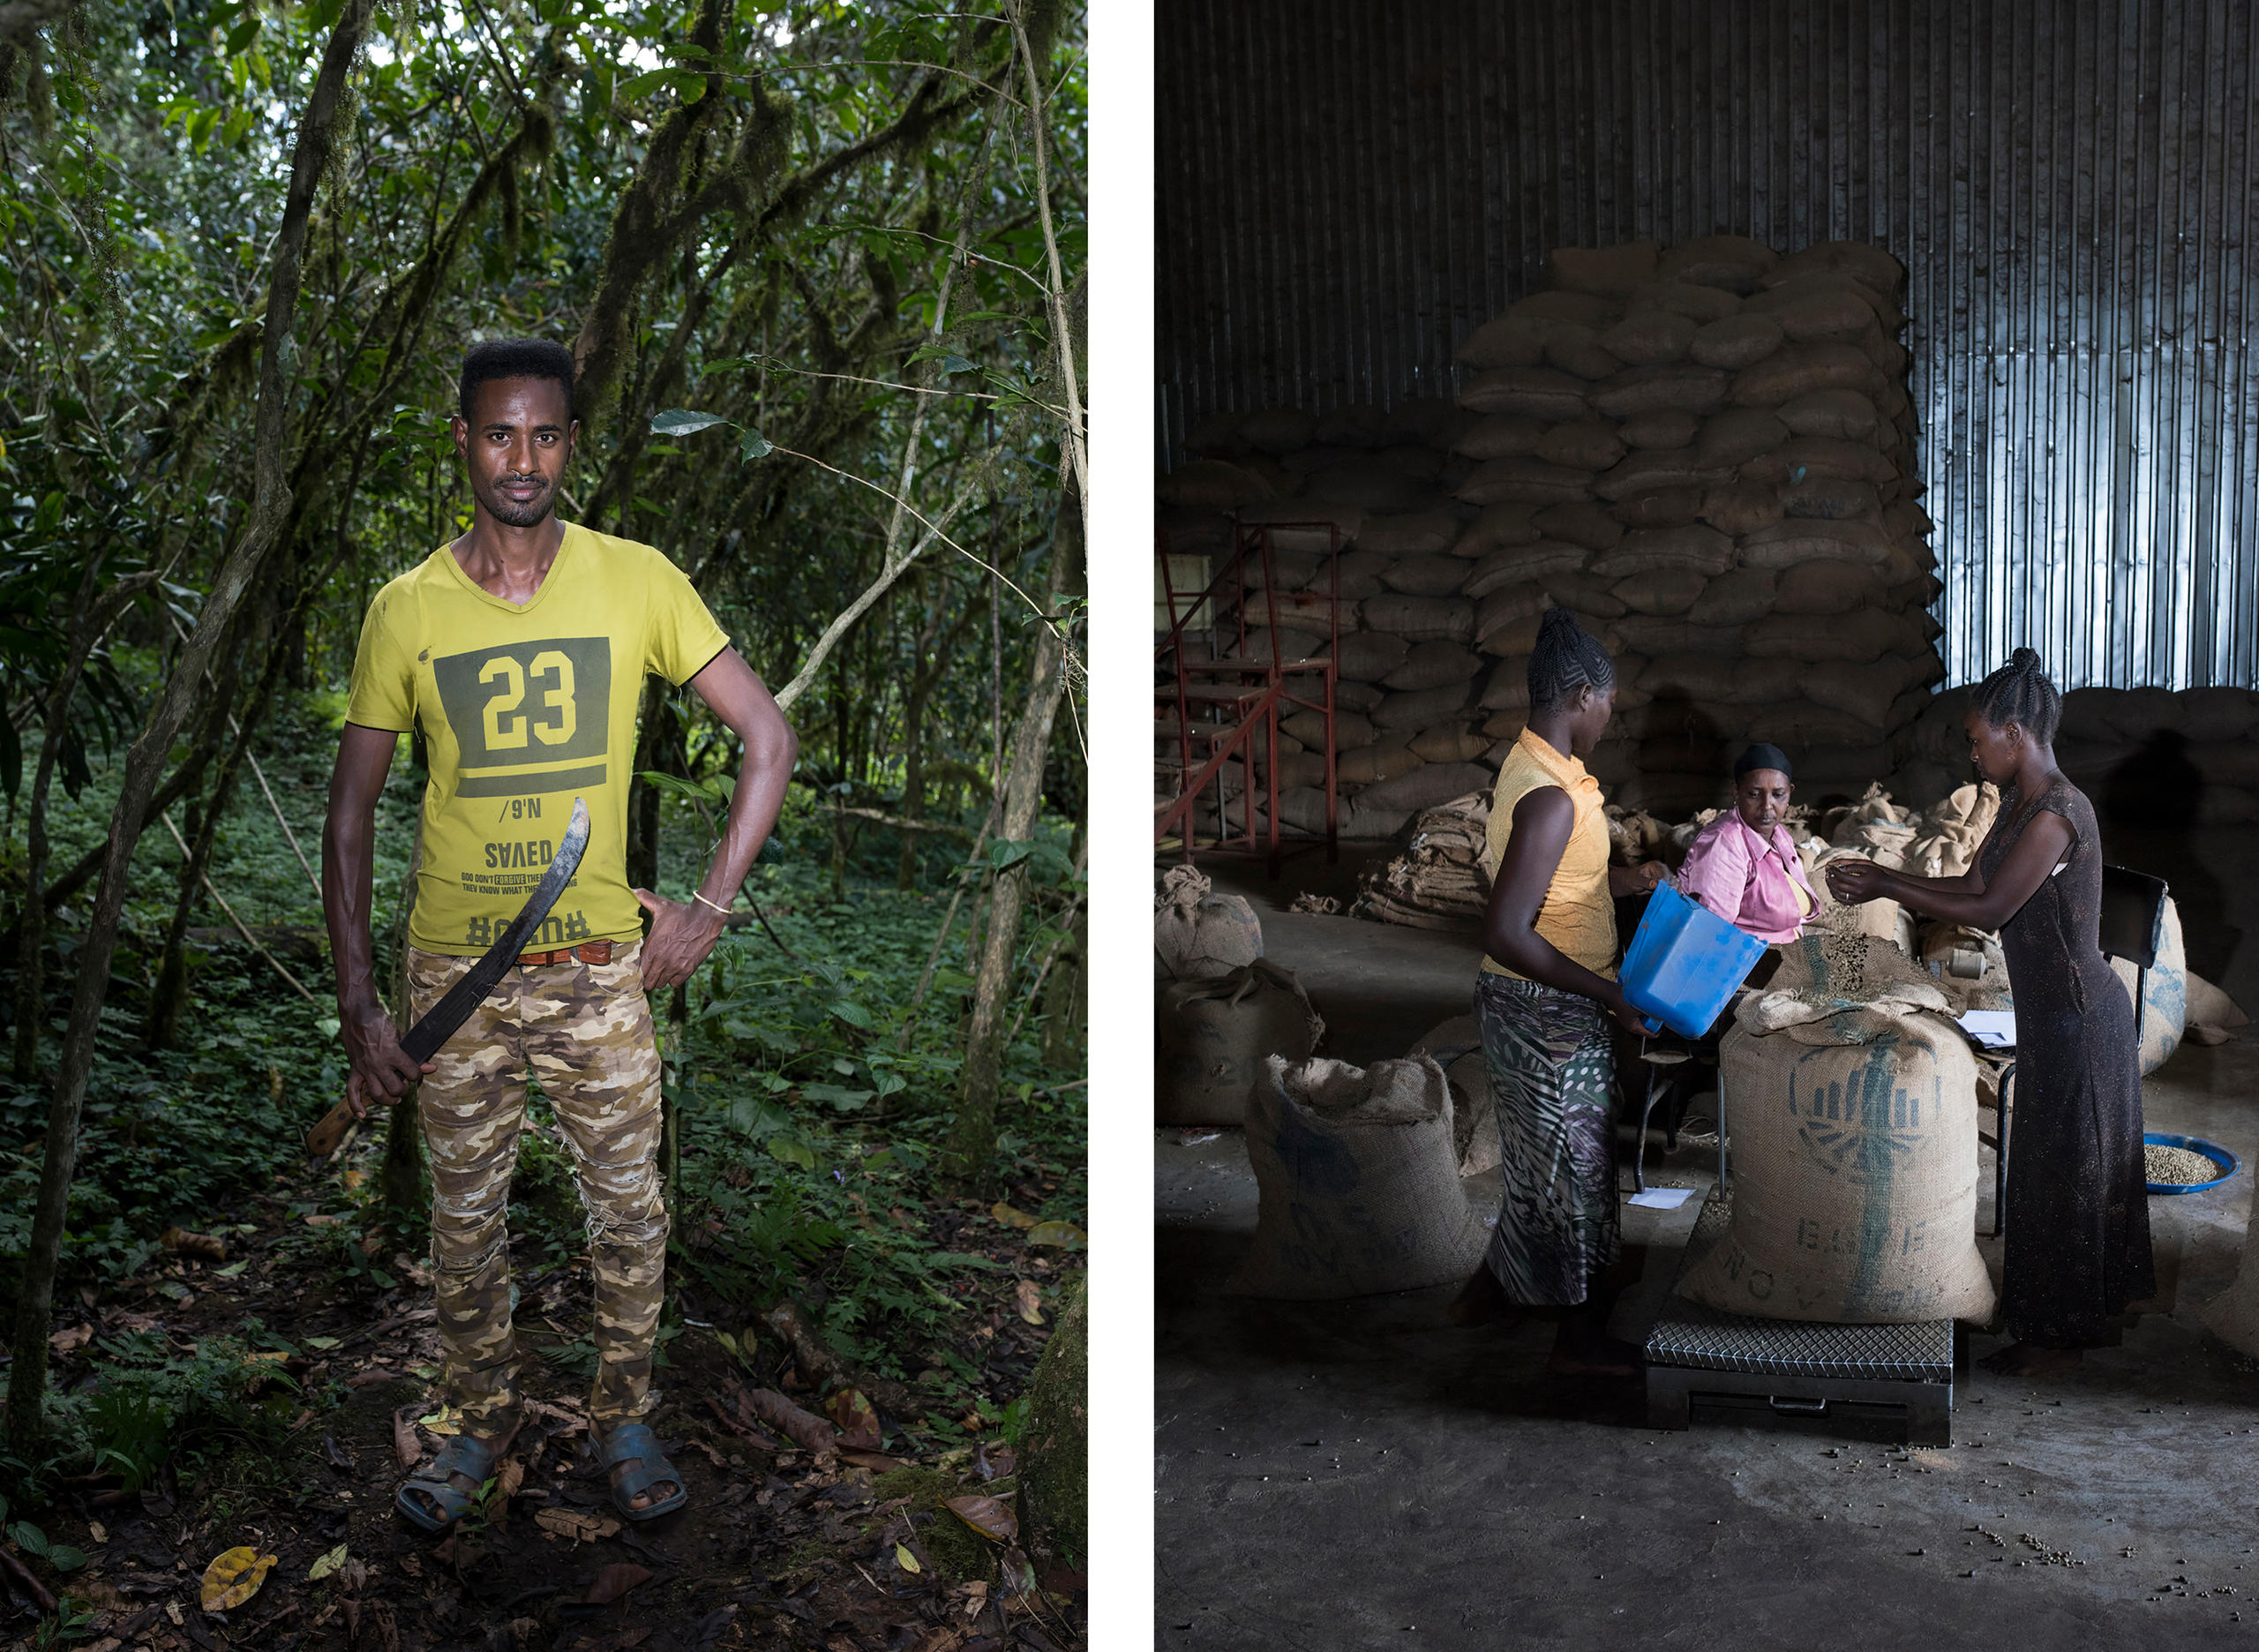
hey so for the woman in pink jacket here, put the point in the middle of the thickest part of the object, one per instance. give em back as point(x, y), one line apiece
point(1742, 865)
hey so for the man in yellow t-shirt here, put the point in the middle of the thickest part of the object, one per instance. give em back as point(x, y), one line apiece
point(519, 651)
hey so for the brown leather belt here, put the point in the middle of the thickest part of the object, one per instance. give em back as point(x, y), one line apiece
point(587, 952)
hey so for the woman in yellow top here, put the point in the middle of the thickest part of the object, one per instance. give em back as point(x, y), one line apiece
point(1543, 999)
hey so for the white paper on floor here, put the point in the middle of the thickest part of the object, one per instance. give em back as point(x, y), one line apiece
point(1993, 1029)
point(1662, 1198)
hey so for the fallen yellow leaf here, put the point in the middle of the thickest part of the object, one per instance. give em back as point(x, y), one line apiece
point(1030, 1300)
point(1009, 1217)
point(446, 1420)
point(234, 1578)
point(328, 1563)
point(904, 1559)
point(1058, 1232)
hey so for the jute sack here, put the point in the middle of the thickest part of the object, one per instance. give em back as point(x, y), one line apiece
point(1951, 832)
point(1661, 508)
point(1704, 550)
point(1581, 445)
point(1854, 1150)
point(1422, 708)
point(1197, 934)
point(1667, 427)
point(1499, 436)
point(1576, 350)
point(1433, 665)
point(1875, 919)
point(1277, 430)
point(1212, 485)
point(1798, 369)
point(1385, 759)
point(1523, 562)
point(1736, 437)
point(1530, 481)
point(1697, 303)
point(1650, 335)
point(1687, 385)
point(1662, 592)
point(1743, 506)
point(1846, 414)
point(1538, 393)
point(1737, 341)
point(1449, 743)
point(1498, 527)
point(1457, 1047)
point(1796, 540)
point(1357, 1182)
point(1502, 342)
point(1735, 598)
point(1215, 1036)
point(1425, 575)
point(1421, 619)
point(1734, 262)
point(1419, 533)
point(2212, 1013)
point(1649, 469)
point(2165, 993)
point(1580, 522)
point(1368, 655)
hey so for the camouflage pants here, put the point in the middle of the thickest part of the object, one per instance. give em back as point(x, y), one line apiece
point(585, 1030)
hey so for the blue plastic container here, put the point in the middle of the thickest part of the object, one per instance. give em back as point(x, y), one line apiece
point(2213, 1151)
point(1685, 962)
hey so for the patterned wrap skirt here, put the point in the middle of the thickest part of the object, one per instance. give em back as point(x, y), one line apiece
point(1553, 1068)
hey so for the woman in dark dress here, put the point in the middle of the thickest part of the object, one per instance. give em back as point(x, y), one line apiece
point(2078, 1241)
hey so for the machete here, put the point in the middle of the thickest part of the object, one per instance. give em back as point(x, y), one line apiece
point(423, 1040)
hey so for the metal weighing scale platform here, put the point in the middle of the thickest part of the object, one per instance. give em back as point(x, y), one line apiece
point(1694, 1352)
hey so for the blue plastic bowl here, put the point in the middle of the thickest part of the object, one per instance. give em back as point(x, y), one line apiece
point(1685, 962)
point(2227, 1161)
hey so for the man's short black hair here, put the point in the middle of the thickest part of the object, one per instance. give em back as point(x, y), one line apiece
point(514, 358)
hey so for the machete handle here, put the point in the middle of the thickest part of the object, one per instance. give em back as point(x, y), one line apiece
point(322, 1140)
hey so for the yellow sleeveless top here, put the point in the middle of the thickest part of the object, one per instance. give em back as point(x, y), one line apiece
point(1578, 915)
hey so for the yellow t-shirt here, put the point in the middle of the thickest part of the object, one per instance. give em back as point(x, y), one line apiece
point(1578, 915)
point(522, 710)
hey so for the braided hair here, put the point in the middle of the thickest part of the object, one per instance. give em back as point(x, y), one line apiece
point(1564, 660)
point(2020, 692)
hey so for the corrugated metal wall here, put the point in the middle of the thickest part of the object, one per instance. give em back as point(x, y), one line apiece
point(1347, 188)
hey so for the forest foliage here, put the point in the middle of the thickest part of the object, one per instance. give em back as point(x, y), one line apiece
point(821, 265)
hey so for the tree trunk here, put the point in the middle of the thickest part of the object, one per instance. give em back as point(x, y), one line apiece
point(145, 762)
point(161, 1026)
point(1066, 1010)
point(972, 1136)
point(1054, 1448)
point(92, 620)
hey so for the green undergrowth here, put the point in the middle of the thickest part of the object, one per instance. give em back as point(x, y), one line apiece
point(809, 1097)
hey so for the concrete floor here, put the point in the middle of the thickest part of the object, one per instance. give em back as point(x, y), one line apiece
point(1361, 1474)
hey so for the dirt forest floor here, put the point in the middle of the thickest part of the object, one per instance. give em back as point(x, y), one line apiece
point(777, 1548)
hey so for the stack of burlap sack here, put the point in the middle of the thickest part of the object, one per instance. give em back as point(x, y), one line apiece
point(1705, 452)
point(1221, 1009)
point(2147, 756)
point(1440, 877)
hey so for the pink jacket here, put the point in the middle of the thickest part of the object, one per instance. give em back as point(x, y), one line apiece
point(1745, 879)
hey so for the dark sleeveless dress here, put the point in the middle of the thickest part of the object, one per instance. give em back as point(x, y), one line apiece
point(2078, 1231)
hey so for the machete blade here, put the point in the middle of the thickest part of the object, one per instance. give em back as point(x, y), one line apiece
point(423, 1040)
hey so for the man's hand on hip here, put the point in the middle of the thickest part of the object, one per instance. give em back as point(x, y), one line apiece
point(382, 1071)
point(683, 932)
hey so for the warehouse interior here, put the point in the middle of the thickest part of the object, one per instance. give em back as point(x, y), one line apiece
point(1816, 356)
